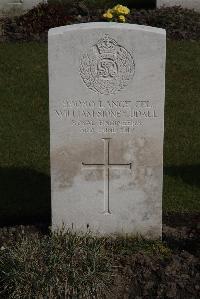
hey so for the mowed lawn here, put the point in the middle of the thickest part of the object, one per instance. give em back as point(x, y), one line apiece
point(24, 131)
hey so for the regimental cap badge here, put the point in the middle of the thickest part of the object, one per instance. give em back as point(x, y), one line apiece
point(107, 67)
point(106, 45)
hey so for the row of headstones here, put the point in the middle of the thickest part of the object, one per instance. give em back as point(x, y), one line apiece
point(7, 5)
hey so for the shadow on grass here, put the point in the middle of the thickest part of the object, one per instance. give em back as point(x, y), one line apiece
point(190, 174)
point(24, 197)
point(25, 194)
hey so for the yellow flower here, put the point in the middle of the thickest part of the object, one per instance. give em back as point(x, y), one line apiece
point(122, 19)
point(118, 12)
point(121, 10)
point(108, 14)
point(110, 10)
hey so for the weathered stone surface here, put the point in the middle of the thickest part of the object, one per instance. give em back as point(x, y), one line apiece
point(107, 84)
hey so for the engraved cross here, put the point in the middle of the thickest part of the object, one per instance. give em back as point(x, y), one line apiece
point(106, 166)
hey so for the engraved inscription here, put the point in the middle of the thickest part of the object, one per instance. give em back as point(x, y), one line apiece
point(107, 116)
point(107, 67)
point(106, 166)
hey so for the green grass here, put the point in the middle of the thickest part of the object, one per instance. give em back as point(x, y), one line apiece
point(182, 128)
point(24, 131)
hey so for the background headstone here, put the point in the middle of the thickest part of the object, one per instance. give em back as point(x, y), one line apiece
point(17, 6)
point(107, 86)
point(191, 4)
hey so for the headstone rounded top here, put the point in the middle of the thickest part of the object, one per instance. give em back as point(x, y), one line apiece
point(102, 25)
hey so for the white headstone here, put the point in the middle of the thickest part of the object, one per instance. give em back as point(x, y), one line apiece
point(107, 87)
